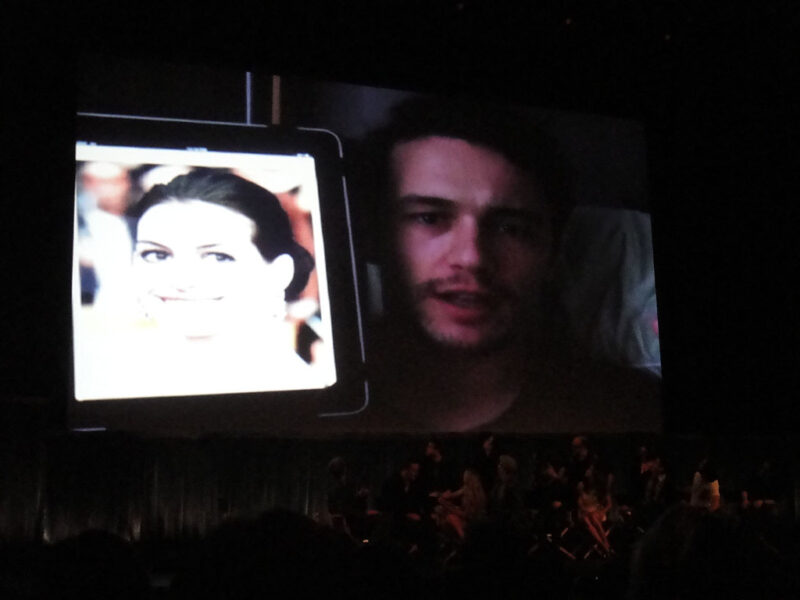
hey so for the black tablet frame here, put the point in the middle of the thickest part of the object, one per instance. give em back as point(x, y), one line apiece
point(296, 412)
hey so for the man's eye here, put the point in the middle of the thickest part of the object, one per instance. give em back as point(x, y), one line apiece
point(428, 218)
point(219, 257)
point(513, 227)
point(154, 256)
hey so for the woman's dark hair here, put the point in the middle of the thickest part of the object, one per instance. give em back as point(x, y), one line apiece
point(273, 232)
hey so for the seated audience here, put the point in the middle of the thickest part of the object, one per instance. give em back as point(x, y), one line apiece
point(763, 503)
point(465, 505)
point(691, 553)
point(550, 492)
point(435, 474)
point(279, 554)
point(386, 571)
point(639, 473)
point(405, 508)
point(21, 570)
point(581, 458)
point(657, 490)
point(761, 490)
point(494, 563)
point(400, 494)
point(705, 486)
point(594, 502)
point(485, 461)
point(93, 564)
point(346, 504)
point(506, 501)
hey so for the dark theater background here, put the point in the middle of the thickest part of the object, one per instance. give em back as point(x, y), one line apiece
point(711, 86)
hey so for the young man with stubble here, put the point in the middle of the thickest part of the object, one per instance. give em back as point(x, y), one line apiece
point(472, 200)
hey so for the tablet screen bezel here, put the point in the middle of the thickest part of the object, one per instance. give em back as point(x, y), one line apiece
point(291, 411)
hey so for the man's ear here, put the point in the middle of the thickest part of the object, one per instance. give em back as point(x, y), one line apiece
point(282, 268)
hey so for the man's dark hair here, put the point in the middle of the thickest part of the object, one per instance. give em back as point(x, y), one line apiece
point(273, 233)
point(510, 133)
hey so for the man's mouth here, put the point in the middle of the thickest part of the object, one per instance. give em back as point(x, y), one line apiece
point(466, 299)
point(466, 307)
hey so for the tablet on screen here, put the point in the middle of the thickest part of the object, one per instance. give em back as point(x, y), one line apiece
point(203, 260)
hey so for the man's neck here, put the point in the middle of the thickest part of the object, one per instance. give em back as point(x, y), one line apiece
point(468, 390)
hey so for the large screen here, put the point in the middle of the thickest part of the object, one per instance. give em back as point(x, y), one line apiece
point(481, 267)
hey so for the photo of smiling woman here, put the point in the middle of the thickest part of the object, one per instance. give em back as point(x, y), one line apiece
point(214, 264)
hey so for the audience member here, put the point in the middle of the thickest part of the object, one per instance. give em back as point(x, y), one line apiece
point(387, 571)
point(279, 554)
point(485, 462)
point(705, 486)
point(400, 494)
point(435, 474)
point(506, 502)
point(581, 458)
point(658, 492)
point(761, 490)
point(346, 504)
point(639, 473)
point(94, 564)
point(549, 494)
point(763, 501)
point(465, 505)
point(594, 502)
point(21, 570)
point(691, 553)
point(494, 563)
point(404, 510)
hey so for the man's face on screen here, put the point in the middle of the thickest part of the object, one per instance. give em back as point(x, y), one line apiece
point(473, 238)
point(199, 273)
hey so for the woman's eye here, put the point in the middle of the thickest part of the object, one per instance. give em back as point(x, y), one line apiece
point(219, 257)
point(154, 256)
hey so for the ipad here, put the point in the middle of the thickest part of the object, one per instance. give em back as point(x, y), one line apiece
point(214, 283)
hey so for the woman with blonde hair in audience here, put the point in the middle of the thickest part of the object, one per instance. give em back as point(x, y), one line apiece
point(457, 509)
point(594, 502)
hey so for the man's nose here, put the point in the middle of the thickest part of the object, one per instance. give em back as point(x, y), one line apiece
point(465, 248)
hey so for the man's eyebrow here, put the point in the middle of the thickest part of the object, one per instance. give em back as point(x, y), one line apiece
point(515, 212)
point(428, 201)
